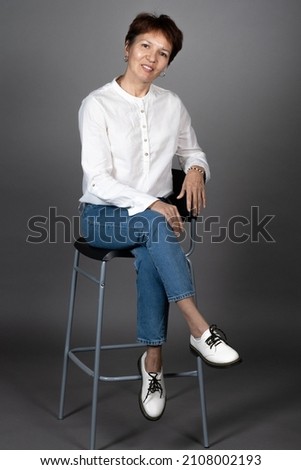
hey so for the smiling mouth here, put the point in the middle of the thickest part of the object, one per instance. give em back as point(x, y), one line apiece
point(147, 68)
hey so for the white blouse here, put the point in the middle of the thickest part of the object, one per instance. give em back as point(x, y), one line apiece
point(128, 145)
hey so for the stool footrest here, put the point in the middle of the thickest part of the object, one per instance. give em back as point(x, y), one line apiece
point(118, 378)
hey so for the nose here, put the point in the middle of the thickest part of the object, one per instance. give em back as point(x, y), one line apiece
point(151, 57)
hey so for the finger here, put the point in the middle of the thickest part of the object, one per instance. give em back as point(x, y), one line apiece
point(197, 201)
point(200, 201)
point(182, 194)
point(194, 204)
point(176, 223)
point(189, 200)
point(204, 198)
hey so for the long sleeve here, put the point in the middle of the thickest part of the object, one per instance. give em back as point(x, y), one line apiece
point(189, 152)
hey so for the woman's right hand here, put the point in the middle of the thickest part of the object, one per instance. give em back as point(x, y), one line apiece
point(171, 214)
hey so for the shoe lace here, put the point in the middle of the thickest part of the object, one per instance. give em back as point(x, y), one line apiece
point(154, 385)
point(215, 339)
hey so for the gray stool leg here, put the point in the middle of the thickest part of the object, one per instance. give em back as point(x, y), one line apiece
point(201, 379)
point(68, 334)
point(97, 354)
point(203, 401)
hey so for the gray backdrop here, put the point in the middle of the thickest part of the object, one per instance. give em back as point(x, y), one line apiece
point(239, 76)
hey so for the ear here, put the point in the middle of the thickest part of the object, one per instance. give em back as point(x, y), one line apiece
point(126, 51)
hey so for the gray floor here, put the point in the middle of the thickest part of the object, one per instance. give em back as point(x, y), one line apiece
point(255, 405)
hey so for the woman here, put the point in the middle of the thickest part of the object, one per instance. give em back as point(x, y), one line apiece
point(130, 131)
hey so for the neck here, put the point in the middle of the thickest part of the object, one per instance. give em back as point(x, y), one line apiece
point(136, 89)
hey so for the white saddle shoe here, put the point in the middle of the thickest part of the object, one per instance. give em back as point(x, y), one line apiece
point(213, 348)
point(152, 396)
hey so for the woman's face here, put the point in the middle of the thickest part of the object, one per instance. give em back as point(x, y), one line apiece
point(148, 56)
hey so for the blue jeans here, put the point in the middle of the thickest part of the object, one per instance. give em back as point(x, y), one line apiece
point(163, 274)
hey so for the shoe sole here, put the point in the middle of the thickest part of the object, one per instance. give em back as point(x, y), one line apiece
point(150, 418)
point(213, 364)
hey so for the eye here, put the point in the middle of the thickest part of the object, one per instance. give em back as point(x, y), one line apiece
point(145, 45)
point(163, 54)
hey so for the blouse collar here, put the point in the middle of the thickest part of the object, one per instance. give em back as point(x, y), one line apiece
point(128, 96)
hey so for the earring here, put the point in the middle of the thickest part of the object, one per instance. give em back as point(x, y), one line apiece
point(125, 58)
point(162, 74)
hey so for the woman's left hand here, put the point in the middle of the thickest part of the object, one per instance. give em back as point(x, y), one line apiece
point(194, 188)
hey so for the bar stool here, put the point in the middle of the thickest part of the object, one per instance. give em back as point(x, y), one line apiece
point(73, 354)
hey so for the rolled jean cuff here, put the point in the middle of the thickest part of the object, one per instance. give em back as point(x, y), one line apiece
point(150, 342)
point(176, 298)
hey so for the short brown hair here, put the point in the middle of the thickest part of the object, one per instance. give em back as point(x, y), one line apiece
point(145, 22)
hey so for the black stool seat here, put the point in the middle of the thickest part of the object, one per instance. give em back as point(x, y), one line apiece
point(100, 254)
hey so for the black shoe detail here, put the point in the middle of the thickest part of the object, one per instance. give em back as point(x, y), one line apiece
point(215, 339)
point(154, 385)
